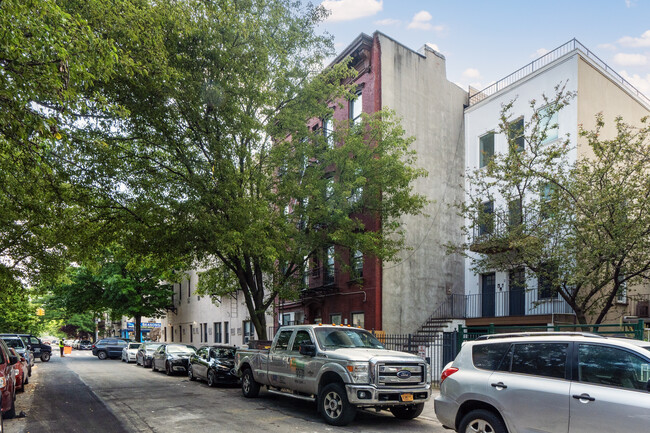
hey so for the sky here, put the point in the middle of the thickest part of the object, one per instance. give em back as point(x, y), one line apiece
point(486, 40)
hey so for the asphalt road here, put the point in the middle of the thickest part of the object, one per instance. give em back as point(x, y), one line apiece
point(80, 393)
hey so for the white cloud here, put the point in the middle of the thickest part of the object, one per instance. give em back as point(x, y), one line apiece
point(629, 41)
point(625, 59)
point(471, 73)
point(348, 10)
point(388, 22)
point(641, 83)
point(422, 21)
point(539, 53)
point(433, 46)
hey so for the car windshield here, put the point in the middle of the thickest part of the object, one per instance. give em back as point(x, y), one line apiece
point(134, 345)
point(224, 353)
point(14, 342)
point(179, 349)
point(332, 338)
point(151, 347)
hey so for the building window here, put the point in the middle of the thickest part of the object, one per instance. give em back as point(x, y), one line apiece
point(486, 219)
point(486, 148)
point(621, 296)
point(356, 264)
point(205, 332)
point(217, 332)
point(226, 332)
point(249, 331)
point(549, 123)
point(180, 333)
point(547, 281)
point(358, 319)
point(191, 334)
point(356, 107)
point(515, 213)
point(165, 333)
point(305, 273)
point(328, 131)
point(335, 318)
point(546, 194)
point(516, 138)
point(171, 332)
point(329, 266)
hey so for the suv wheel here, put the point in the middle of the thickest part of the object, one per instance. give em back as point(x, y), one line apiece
point(481, 421)
point(45, 356)
point(407, 412)
point(334, 405)
point(249, 387)
point(102, 355)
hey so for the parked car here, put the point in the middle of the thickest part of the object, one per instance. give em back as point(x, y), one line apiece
point(145, 353)
point(21, 371)
point(7, 380)
point(41, 350)
point(341, 368)
point(85, 345)
point(215, 364)
point(109, 348)
point(130, 351)
point(540, 381)
point(14, 341)
point(172, 358)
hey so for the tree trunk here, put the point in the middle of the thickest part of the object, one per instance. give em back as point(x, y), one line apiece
point(136, 327)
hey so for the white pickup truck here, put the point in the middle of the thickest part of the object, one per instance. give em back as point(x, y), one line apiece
point(340, 367)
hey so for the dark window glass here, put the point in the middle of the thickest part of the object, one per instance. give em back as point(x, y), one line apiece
point(489, 356)
point(301, 337)
point(610, 366)
point(283, 340)
point(540, 359)
point(486, 148)
point(486, 219)
point(516, 134)
point(546, 281)
point(515, 213)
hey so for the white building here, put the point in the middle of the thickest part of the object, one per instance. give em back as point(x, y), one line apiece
point(197, 320)
point(599, 89)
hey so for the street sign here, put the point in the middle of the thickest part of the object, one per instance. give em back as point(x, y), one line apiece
point(40, 312)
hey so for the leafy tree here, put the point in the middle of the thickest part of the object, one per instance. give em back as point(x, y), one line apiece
point(17, 312)
point(217, 147)
point(581, 225)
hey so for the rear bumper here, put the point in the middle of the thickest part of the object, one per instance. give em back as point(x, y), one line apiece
point(368, 395)
point(446, 410)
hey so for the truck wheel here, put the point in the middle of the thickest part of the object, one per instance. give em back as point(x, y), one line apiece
point(334, 405)
point(249, 387)
point(481, 420)
point(102, 355)
point(45, 356)
point(407, 412)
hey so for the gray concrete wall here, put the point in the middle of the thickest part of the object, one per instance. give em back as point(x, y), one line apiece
point(416, 87)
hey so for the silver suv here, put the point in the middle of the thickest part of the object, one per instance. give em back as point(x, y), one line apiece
point(547, 382)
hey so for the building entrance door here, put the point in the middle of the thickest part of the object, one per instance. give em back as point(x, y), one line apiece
point(517, 295)
point(487, 294)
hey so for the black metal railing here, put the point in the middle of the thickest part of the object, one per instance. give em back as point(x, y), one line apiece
point(513, 303)
point(544, 60)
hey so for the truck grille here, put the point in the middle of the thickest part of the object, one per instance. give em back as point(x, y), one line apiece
point(400, 374)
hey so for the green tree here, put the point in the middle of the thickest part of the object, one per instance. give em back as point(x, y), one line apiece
point(216, 160)
point(580, 223)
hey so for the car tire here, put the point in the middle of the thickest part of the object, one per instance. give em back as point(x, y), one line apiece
point(45, 356)
point(153, 365)
point(190, 373)
point(168, 369)
point(29, 370)
point(249, 387)
point(212, 379)
point(334, 405)
point(482, 420)
point(102, 355)
point(407, 412)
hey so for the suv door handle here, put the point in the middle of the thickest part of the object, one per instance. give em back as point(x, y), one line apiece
point(499, 385)
point(583, 396)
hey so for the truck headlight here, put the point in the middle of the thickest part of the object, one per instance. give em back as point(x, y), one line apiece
point(359, 372)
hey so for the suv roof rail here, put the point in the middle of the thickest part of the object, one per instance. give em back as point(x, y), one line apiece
point(539, 334)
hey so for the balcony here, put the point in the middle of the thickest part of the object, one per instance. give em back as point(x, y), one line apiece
point(510, 303)
point(323, 281)
point(503, 233)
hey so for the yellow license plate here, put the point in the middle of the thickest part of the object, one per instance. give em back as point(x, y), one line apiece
point(407, 397)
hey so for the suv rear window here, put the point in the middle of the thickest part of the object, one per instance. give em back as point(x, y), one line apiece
point(489, 356)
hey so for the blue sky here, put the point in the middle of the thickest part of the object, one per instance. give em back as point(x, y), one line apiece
point(484, 41)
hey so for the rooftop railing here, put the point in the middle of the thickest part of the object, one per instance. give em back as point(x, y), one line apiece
point(544, 60)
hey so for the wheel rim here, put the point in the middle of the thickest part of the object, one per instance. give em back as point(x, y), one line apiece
point(479, 426)
point(211, 379)
point(246, 383)
point(333, 405)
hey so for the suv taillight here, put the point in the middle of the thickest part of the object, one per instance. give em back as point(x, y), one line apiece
point(448, 372)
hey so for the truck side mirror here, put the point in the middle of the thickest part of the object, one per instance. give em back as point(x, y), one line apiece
point(307, 349)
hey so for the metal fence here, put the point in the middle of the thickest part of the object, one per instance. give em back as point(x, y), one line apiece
point(437, 349)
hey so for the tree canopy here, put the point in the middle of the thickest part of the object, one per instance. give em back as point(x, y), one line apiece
point(580, 221)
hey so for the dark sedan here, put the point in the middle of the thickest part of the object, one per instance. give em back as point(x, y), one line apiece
point(145, 353)
point(172, 358)
point(215, 364)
